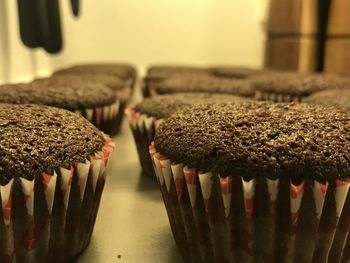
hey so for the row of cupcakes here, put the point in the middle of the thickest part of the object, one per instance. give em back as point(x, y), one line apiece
point(260, 84)
point(100, 92)
point(249, 181)
point(53, 161)
point(181, 87)
point(215, 163)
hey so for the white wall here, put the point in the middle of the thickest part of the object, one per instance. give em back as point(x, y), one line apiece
point(17, 63)
point(153, 31)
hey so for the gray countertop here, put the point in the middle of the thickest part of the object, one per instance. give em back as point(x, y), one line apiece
point(132, 225)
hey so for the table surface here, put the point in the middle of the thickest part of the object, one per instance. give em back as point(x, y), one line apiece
point(132, 225)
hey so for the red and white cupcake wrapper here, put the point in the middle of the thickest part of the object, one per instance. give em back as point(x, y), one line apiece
point(143, 128)
point(36, 213)
point(232, 219)
point(341, 242)
point(109, 118)
point(102, 114)
point(125, 92)
point(142, 120)
point(333, 225)
point(149, 88)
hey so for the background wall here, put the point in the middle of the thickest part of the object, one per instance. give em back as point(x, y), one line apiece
point(144, 32)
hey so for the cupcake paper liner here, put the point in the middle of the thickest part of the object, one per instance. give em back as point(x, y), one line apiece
point(108, 118)
point(143, 128)
point(228, 218)
point(51, 218)
point(124, 94)
point(149, 88)
point(276, 97)
point(126, 91)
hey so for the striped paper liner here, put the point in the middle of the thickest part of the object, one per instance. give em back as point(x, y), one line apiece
point(125, 92)
point(42, 220)
point(107, 118)
point(228, 218)
point(149, 87)
point(143, 128)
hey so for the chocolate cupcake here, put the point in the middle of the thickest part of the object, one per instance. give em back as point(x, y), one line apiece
point(205, 84)
point(96, 103)
point(166, 71)
point(292, 86)
point(236, 72)
point(338, 98)
point(53, 164)
point(156, 74)
point(146, 115)
point(114, 83)
point(125, 72)
point(117, 85)
point(256, 181)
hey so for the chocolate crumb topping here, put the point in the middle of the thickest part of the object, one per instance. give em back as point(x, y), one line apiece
point(293, 83)
point(36, 139)
point(165, 105)
point(123, 71)
point(336, 97)
point(236, 72)
point(160, 72)
point(254, 139)
point(205, 84)
point(112, 82)
point(67, 96)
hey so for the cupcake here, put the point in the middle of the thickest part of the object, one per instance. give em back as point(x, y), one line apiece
point(335, 97)
point(146, 115)
point(117, 85)
point(235, 72)
point(166, 71)
point(203, 84)
point(156, 74)
point(53, 168)
point(256, 181)
point(95, 102)
point(292, 86)
point(125, 72)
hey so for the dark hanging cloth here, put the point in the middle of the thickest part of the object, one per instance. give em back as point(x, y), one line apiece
point(40, 23)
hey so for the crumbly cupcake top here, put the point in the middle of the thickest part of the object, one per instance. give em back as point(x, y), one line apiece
point(205, 84)
point(36, 139)
point(259, 139)
point(123, 71)
point(67, 96)
point(338, 98)
point(235, 72)
point(81, 79)
point(292, 83)
point(160, 72)
point(165, 105)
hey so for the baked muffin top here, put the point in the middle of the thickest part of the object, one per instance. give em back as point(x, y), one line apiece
point(205, 84)
point(165, 105)
point(36, 139)
point(160, 72)
point(123, 71)
point(67, 96)
point(292, 83)
point(112, 82)
point(253, 139)
point(335, 97)
point(235, 72)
